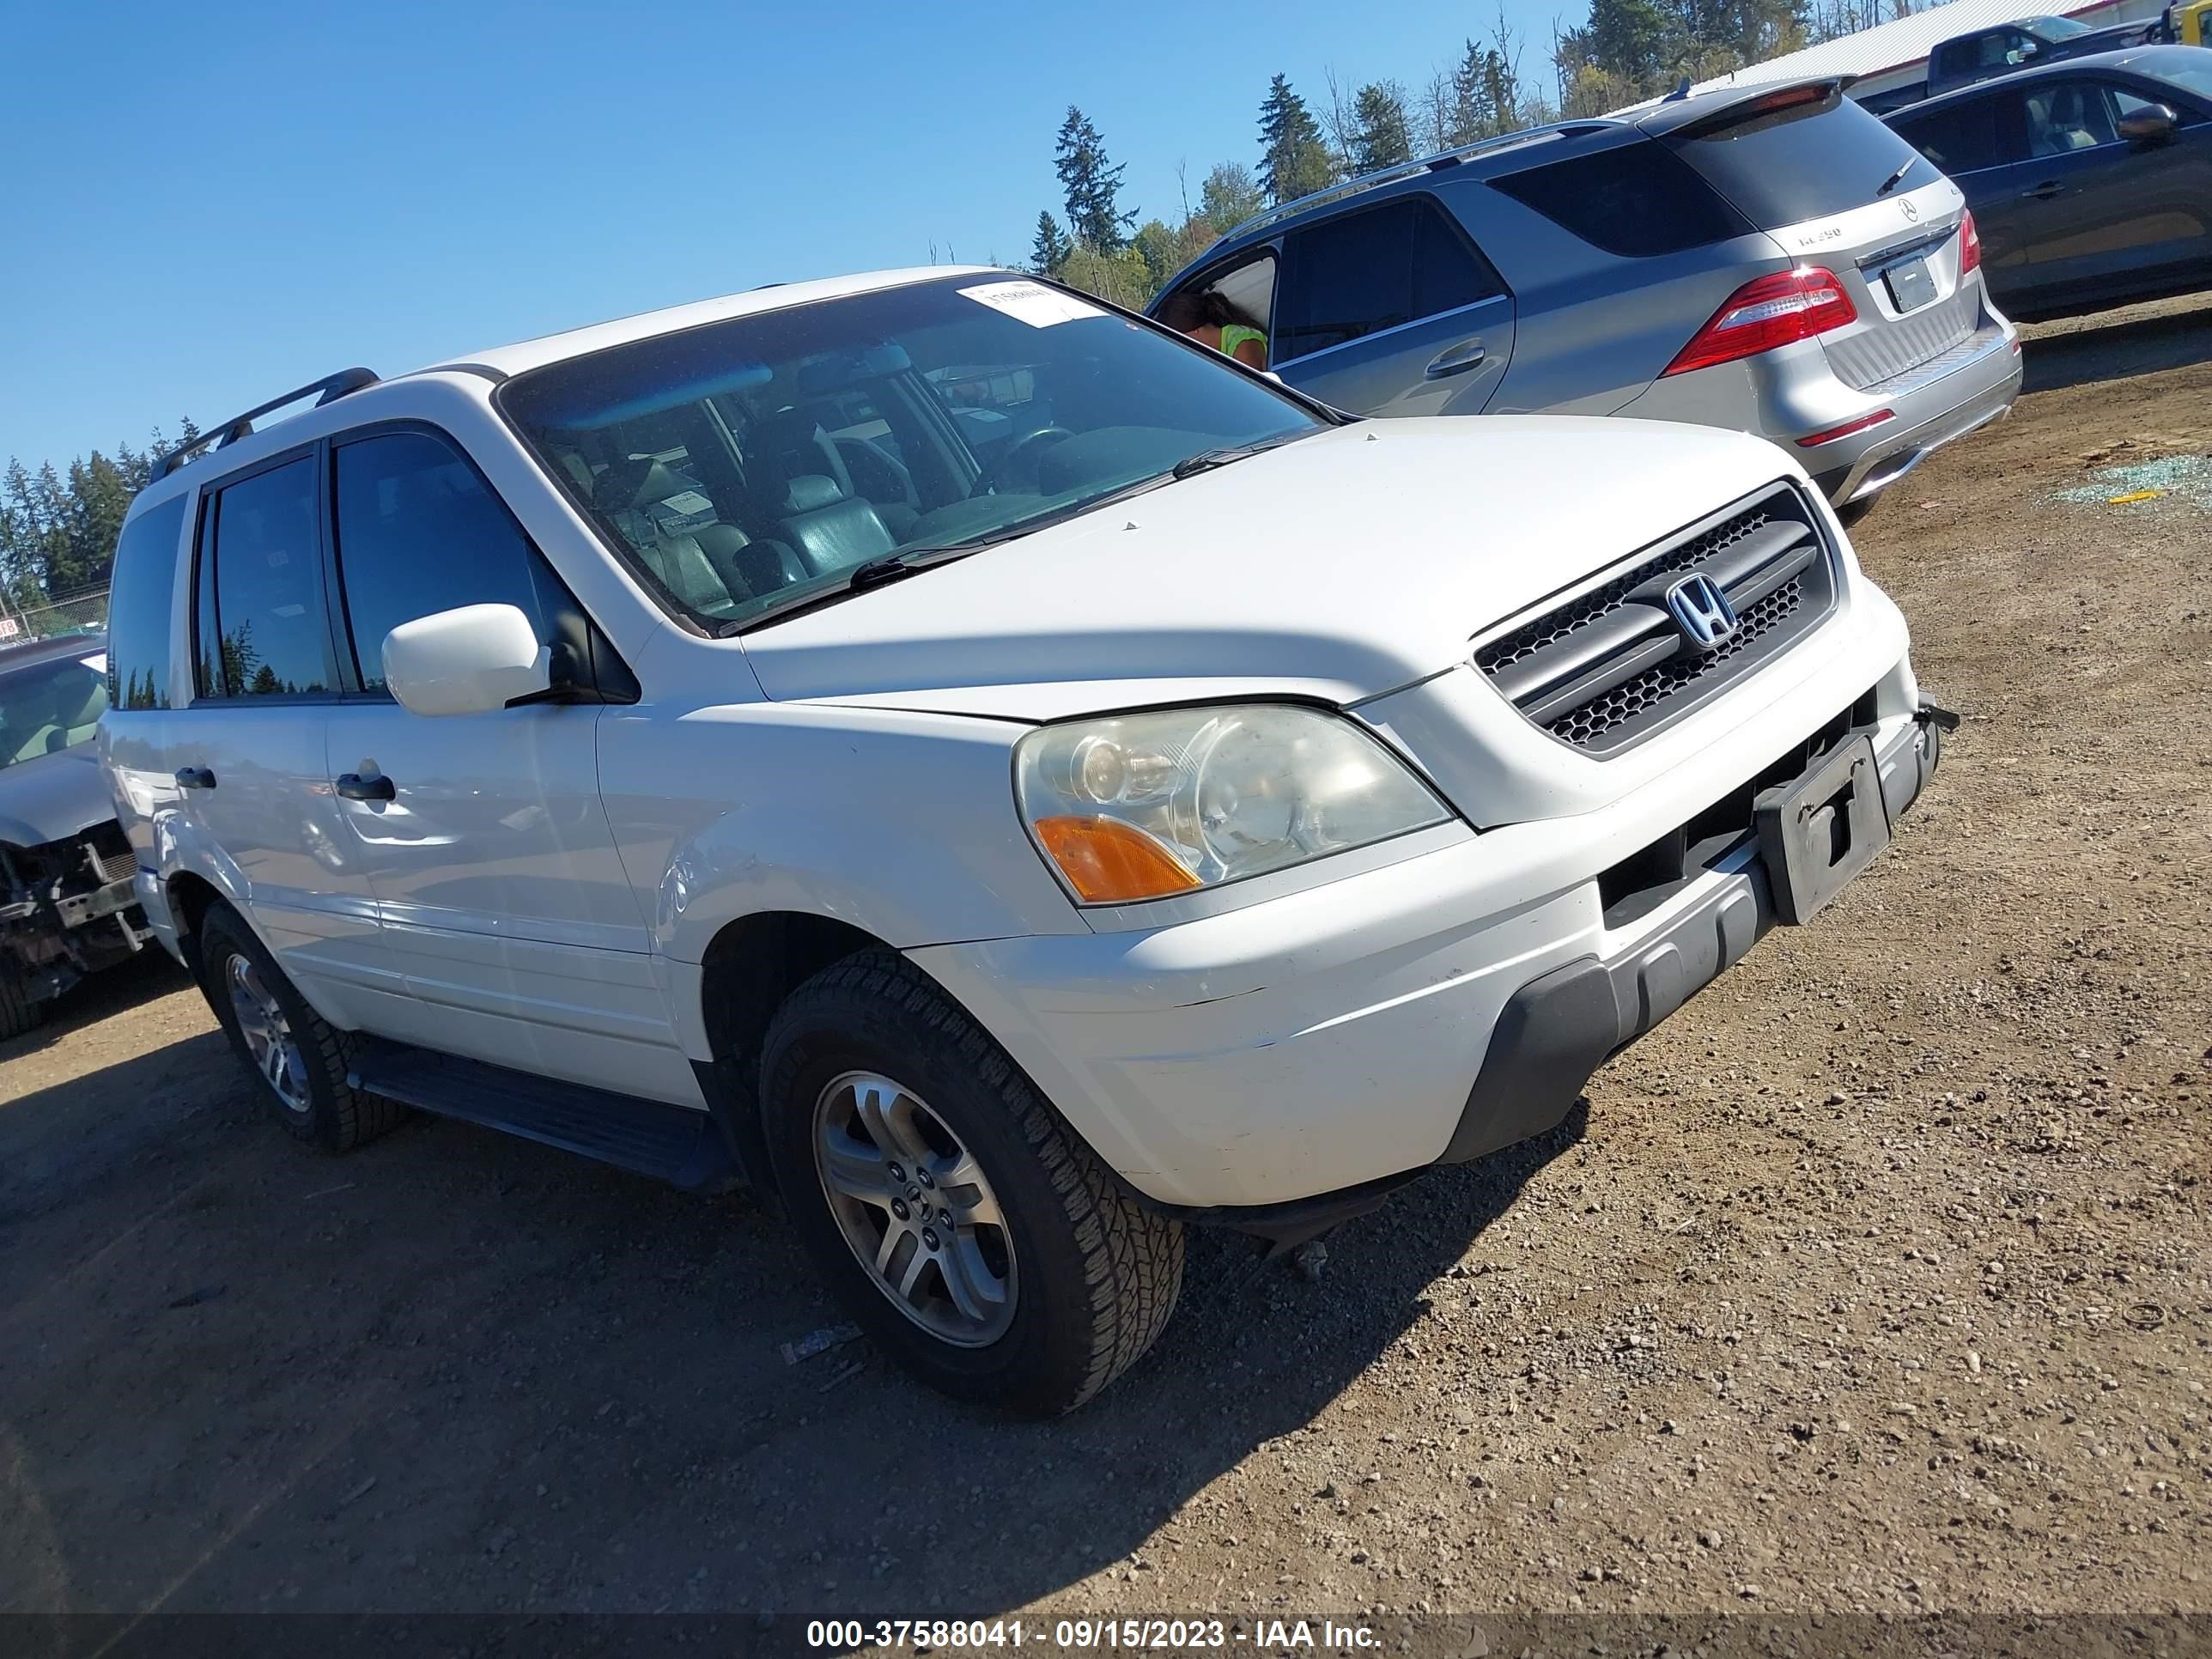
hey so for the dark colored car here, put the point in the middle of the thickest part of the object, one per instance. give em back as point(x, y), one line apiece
point(66, 906)
point(2032, 42)
point(2090, 180)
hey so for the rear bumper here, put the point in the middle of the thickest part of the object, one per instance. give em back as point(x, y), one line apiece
point(1969, 393)
point(1793, 392)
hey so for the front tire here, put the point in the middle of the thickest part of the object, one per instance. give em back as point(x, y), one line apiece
point(967, 1229)
point(299, 1060)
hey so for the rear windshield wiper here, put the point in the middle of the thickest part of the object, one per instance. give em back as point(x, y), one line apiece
point(1206, 459)
point(1896, 178)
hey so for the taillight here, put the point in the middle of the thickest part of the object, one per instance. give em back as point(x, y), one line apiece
point(1970, 244)
point(1769, 312)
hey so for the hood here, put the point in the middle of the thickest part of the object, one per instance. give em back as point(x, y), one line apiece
point(53, 797)
point(1337, 568)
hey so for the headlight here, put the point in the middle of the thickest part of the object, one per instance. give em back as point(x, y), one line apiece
point(1143, 805)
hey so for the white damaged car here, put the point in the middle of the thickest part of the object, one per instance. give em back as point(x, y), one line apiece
point(1003, 779)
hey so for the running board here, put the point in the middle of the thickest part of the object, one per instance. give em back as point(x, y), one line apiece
point(678, 1144)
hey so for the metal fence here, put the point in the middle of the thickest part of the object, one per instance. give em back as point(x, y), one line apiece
point(72, 613)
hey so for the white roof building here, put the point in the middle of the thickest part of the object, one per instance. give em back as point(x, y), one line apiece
point(1895, 54)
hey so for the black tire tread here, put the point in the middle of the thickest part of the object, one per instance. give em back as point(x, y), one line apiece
point(1132, 1258)
point(351, 1117)
point(19, 1014)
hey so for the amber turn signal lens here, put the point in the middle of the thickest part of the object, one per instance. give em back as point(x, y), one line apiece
point(1109, 862)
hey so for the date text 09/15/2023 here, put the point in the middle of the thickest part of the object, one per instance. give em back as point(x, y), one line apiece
point(1085, 1635)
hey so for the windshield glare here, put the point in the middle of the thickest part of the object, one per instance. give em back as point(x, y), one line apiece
point(2054, 28)
point(2185, 69)
point(749, 465)
point(49, 708)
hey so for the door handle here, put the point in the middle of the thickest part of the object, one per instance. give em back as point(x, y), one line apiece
point(353, 787)
point(1455, 359)
point(195, 777)
point(2043, 191)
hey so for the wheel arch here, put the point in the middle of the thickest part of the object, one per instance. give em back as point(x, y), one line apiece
point(191, 898)
point(750, 966)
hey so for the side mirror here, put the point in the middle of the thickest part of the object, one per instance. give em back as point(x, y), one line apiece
point(466, 661)
point(2154, 123)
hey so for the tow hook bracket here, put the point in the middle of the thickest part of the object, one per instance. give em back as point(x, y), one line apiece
point(1931, 713)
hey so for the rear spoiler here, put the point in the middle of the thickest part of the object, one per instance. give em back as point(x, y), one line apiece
point(1702, 117)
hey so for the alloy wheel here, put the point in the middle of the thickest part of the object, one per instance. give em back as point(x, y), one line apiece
point(915, 1208)
point(268, 1034)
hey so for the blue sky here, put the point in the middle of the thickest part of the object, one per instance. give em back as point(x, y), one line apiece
point(214, 202)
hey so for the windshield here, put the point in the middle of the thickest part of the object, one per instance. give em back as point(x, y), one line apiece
point(50, 707)
point(2054, 28)
point(2191, 71)
point(750, 466)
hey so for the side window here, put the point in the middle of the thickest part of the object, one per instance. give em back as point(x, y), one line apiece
point(273, 635)
point(1635, 201)
point(139, 603)
point(1355, 276)
point(419, 532)
point(2128, 101)
point(1961, 139)
point(2065, 116)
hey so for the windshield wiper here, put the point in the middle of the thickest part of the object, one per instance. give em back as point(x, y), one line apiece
point(1206, 459)
point(1896, 178)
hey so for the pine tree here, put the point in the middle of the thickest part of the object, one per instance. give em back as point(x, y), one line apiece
point(1383, 135)
point(1092, 185)
point(1293, 161)
point(1052, 246)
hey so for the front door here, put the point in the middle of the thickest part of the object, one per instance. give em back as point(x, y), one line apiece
point(2100, 214)
point(1389, 310)
point(502, 900)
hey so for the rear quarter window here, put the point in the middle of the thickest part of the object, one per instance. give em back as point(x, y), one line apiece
point(1790, 161)
point(138, 601)
point(1635, 201)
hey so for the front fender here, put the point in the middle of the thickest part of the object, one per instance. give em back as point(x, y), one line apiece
point(901, 823)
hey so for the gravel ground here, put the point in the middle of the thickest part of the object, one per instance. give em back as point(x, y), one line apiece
point(1875, 1282)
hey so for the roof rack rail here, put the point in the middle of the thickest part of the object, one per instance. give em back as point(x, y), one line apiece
point(332, 386)
point(1437, 163)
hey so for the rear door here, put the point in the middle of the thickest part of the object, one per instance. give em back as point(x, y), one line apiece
point(2100, 214)
point(482, 837)
point(1391, 310)
point(249, 752)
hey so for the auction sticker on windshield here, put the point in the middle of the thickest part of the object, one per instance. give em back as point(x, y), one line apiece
point(1032, 302)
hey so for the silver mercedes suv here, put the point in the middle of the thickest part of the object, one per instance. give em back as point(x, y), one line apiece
point(1770, 258)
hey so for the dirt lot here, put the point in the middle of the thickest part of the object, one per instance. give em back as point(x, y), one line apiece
point(1878, 1280)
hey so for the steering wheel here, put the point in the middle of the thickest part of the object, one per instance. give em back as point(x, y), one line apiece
point(1002, 470)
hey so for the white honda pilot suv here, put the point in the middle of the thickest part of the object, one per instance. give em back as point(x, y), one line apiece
point(999, 778)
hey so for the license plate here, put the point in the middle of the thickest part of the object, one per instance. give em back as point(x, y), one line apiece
point(1818, 831)
point(1910, 284)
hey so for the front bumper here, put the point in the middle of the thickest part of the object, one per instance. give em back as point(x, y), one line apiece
point(1562, 1025)
point(1280, 1054)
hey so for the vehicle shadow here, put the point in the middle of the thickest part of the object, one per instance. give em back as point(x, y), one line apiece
point(152, 973)
point(456, 1372)
point(2117, 344)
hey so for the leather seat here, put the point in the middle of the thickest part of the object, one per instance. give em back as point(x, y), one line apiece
point(831, 528)
point(712, 568)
